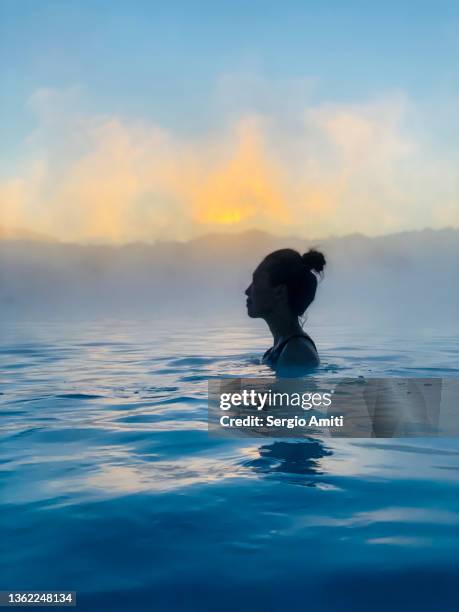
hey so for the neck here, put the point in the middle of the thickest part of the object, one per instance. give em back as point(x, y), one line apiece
point(282, 327)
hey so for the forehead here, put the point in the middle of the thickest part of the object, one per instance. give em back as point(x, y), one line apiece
point(261, 273)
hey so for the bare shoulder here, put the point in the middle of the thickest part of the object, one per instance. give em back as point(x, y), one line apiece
point(299, 352)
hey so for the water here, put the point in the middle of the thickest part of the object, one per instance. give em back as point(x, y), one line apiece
point(111, 487)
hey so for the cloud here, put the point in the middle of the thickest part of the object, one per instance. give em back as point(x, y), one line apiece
point(326, 168)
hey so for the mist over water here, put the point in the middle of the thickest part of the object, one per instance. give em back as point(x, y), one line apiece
point(109, 483)
point(399, 280)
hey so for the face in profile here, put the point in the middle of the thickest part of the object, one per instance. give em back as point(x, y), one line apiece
point(262, 297)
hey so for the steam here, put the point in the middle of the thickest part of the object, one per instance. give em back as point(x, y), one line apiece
point(324, 169)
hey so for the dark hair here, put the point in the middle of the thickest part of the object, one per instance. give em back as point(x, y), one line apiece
point(287, 267)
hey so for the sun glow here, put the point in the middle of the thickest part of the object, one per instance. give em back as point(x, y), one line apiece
point(243, 187)
point(344, 168)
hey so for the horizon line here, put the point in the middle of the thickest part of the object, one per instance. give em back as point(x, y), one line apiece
point(37, 237)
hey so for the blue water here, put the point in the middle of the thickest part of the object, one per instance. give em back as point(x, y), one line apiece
point(111, 487)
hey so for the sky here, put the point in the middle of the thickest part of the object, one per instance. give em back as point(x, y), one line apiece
point(123, 121)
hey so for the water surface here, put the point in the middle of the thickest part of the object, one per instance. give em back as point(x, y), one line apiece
point(111, 487)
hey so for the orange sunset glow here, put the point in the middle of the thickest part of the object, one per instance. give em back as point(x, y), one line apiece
point(107, 179)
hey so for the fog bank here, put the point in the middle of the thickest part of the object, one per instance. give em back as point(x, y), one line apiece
point(401, 279)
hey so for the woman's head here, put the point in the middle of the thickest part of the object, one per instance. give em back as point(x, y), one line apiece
point(284, 282)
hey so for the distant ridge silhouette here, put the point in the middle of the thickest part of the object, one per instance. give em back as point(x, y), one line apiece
point(214, 238)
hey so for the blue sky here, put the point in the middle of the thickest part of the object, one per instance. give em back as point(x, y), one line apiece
point(188, 66)
point(151, 58)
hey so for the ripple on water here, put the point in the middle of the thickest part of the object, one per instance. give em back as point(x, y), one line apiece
point(109, 482)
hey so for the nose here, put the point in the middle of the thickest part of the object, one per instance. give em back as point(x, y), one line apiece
point(247, 291)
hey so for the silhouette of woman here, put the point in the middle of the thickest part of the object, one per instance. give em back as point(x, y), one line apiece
point(283, 286)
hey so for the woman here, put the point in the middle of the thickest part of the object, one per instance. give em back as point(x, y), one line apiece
point(282, 288)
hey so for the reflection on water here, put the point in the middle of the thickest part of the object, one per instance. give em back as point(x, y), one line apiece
point(110, 485)
point(298, 459)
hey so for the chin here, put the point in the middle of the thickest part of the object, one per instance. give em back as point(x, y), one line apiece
point(252, 312)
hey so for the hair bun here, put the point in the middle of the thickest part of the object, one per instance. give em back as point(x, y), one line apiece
point(314, 260)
